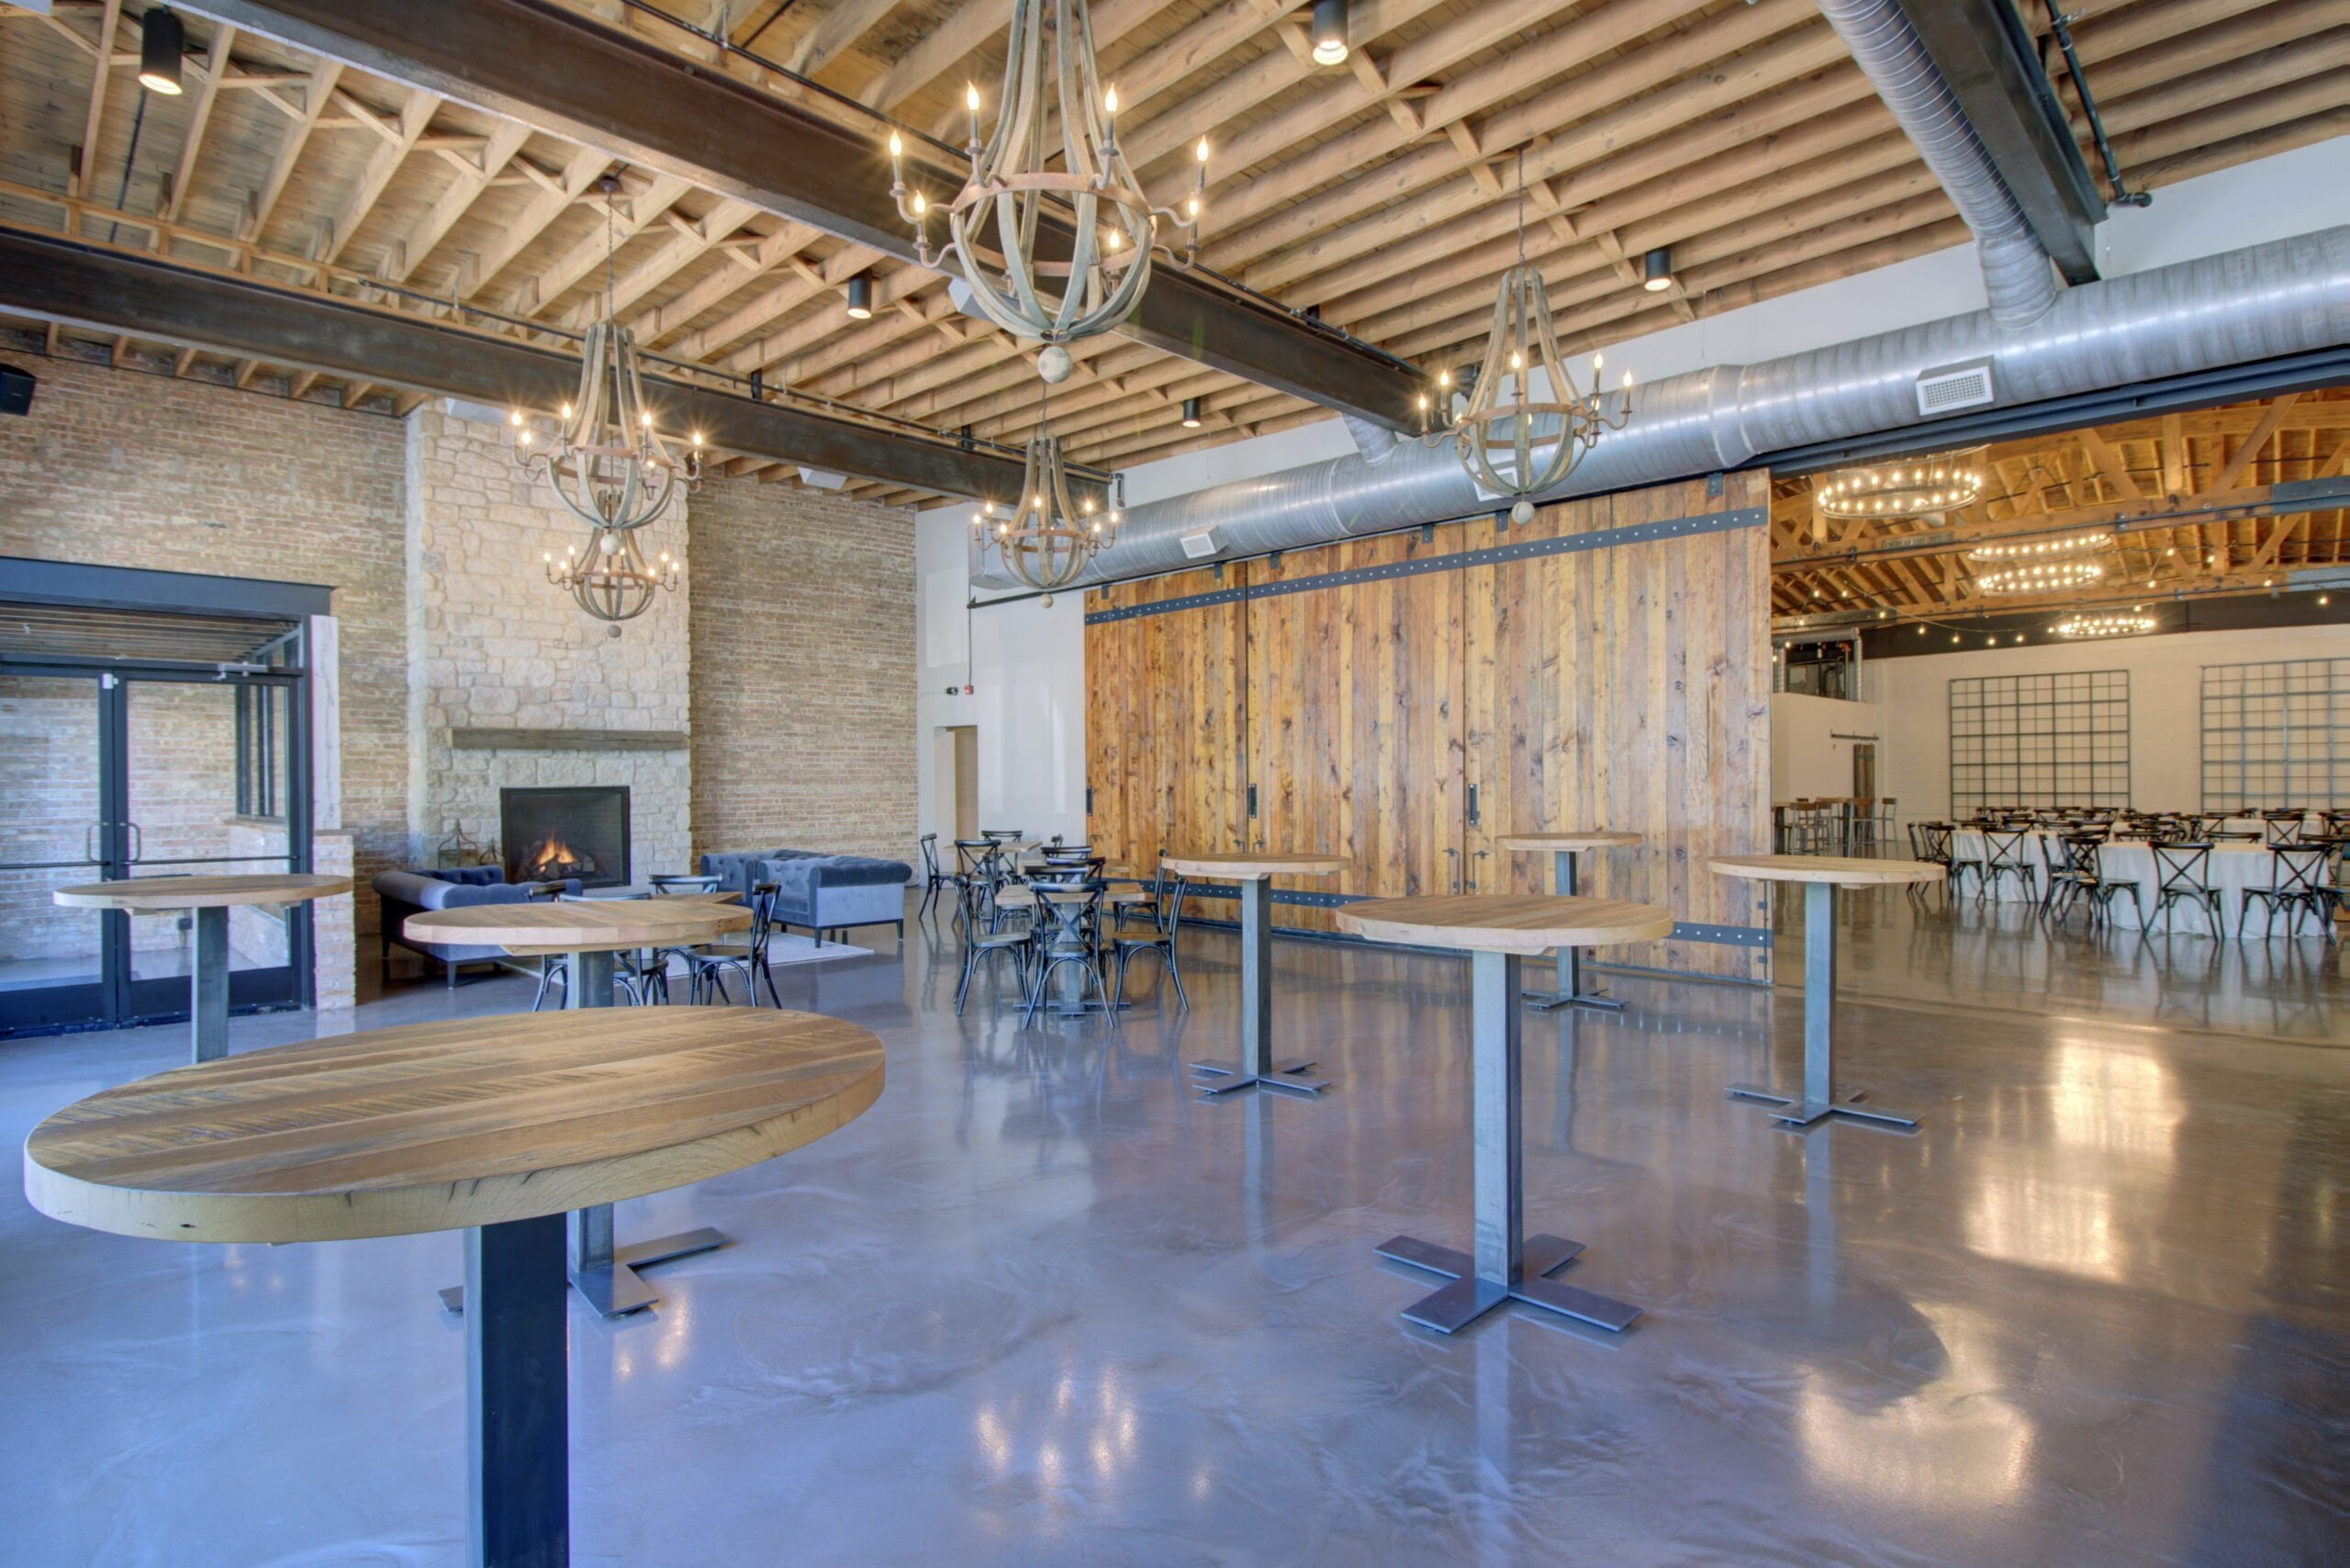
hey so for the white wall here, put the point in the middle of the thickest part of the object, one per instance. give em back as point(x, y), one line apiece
point(1026, 662)
point(1812, 744)
point(2165, 716)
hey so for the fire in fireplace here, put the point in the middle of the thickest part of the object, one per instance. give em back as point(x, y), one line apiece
point(578, 832)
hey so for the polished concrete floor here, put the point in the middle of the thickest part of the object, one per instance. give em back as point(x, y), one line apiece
point(1042, 1305)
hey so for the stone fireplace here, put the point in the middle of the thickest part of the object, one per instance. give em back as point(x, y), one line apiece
point(515, 692)
point(552, 833)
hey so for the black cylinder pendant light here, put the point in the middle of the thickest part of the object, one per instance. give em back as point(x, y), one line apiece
point(1191, 413)
point(860, 297)
point(162, 39)
point(1329, 32)
point(1656, 270)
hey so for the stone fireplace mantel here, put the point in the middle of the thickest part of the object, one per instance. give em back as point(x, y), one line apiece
point(567, 740)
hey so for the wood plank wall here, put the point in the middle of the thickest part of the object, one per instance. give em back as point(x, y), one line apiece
point(1624, 687)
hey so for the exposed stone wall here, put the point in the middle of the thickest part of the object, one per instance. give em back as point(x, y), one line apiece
point(803, 690)
point(126, 468)
point(493, 645)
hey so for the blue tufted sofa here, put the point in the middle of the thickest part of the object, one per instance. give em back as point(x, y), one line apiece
point(823, 893)
point(412, 893)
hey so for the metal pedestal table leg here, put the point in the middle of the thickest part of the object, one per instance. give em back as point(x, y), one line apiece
point(518, 1395)
point(1818, 1100)
point(1507, 1264)
point(1256, 1063)
point(1570, 992)
point(207, 983)
point(602, 1272)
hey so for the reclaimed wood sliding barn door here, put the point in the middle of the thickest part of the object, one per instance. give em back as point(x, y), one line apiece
point(1408, 701)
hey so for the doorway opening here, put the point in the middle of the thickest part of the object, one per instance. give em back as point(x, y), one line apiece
point(955, 779)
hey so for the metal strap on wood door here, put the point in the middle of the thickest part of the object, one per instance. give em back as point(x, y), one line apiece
point(1459, 561)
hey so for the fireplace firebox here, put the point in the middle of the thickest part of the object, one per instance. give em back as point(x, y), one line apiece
point(575, 832)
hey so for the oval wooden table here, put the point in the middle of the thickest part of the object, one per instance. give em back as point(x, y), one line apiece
point(1821, 875)
point(590, 931)
point(1499, 930)
point(211, 898)
point(492, 1126)
point(1253, 870)
point(1562, 848)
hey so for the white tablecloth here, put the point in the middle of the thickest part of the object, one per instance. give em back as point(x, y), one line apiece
point(2233, 868)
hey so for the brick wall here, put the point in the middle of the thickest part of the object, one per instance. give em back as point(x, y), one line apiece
point(126, 468)
point(803, 689)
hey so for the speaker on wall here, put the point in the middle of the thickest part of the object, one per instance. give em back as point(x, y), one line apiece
point(16, 390)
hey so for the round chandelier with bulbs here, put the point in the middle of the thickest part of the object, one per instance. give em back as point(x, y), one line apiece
point(610, 578)
point(1512, 443)
point(1907, 488)
point(609, 464)
point(2058, 548)
point(2039, 576)
point(2104, 626)
point(1054, 150)
point(1049, 537)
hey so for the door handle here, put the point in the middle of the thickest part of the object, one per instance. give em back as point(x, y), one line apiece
point(1472, 806)
point(138, 842)
point(89, 842)
point(1455, 856)
point(1472, 867)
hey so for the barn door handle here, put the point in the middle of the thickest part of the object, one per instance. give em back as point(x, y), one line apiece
point(1472, 866)
point(1455, 856)
point(1252, 800)
point(1472, 805)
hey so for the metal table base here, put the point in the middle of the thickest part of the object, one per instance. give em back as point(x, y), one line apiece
point(1818, 1100)
point(1506, 1264)
point(518, 1415)
point(1255, 1064)
point(208, 983)
point(1570, 992)
point(602, 1272)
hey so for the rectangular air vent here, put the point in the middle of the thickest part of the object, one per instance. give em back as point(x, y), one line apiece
point(1954, 387)
point(1199, 546)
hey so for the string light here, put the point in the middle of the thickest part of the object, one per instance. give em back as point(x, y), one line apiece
point(1902, 489)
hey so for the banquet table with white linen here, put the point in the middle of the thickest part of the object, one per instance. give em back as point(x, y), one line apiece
point(2233, 868)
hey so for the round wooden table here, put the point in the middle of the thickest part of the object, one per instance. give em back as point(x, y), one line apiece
point(1562, 848)
point(1251, 871)
point(492, 1126)
point(1821, 875)
point(1499, 931)
point(591, 931)
point(211, 898)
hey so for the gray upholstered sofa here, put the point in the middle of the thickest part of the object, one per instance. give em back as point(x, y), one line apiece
point(404, 893)
point(822, 892)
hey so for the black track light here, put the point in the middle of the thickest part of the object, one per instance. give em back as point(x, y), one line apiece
point(1656, 270)
point(860, 297)
point(161, 40)
point(1191, 413)
point(1329, 32)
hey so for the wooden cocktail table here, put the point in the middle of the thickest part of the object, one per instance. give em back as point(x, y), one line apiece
point(591, 931)
point(211, 898)
point(1562, 847)
point(1821, 875)
point(1499, 931)
point(492, 1126)
point(1252, 871)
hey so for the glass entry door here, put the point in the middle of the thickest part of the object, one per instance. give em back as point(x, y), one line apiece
point(53, 962)
point(112, 775)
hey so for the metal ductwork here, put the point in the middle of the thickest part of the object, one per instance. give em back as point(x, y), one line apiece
point(2285, 298)
point(2017, 273)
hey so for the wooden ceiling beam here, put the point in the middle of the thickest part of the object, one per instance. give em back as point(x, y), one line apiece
point(317, 88)
point(207, 93)
point(1417, 190)
point(578, 78)
point(85, 152)
point(470, 178)
point(634, 208)
point(835, 32)
point(551, 201)
point(384, 163)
